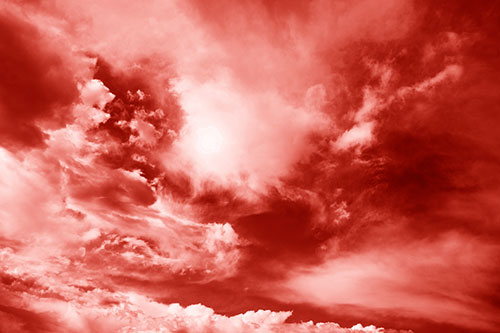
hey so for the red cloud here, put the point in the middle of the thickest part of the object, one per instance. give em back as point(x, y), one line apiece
point(327, 161)
point(37, 86)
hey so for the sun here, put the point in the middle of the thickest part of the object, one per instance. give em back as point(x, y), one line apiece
point(207, 146)
point(208, 140)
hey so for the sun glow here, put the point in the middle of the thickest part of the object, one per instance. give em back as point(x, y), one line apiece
point(208, 140)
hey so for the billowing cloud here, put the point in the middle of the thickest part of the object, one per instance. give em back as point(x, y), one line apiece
point(61, 303)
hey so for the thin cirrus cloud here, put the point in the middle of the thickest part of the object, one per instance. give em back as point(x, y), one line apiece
point(267, 166)
point(412, 278)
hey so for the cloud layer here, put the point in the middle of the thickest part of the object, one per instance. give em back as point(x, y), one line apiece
point(247, 166)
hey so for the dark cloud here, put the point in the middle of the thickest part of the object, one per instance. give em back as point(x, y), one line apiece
point(36, 85)
point(19, 320)
point(116, 191)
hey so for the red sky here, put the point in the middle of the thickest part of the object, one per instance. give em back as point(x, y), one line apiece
point(249, 166)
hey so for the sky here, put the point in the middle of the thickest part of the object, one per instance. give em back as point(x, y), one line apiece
point(249, 166)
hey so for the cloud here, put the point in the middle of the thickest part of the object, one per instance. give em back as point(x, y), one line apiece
point(197, 317)
point(360, 134)
point(259, 100)
point(257, 137)
point(450, 72)
point(93, 309)
point(72, 194)
point(264, 103)
point(412, 279)
point(380, 97)
point(208, 253)
point(327, 161)
point(39, 85)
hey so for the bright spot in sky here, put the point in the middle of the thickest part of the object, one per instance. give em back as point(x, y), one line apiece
point(208, 140)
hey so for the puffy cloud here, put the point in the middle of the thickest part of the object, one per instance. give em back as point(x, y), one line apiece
point(174, 318)
point(259, 100)
point(359, 134)
point(95, 93)
point(228, 136)
point(204, 253)
point(263, 108)
point(77, 307)
point(72, 194)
